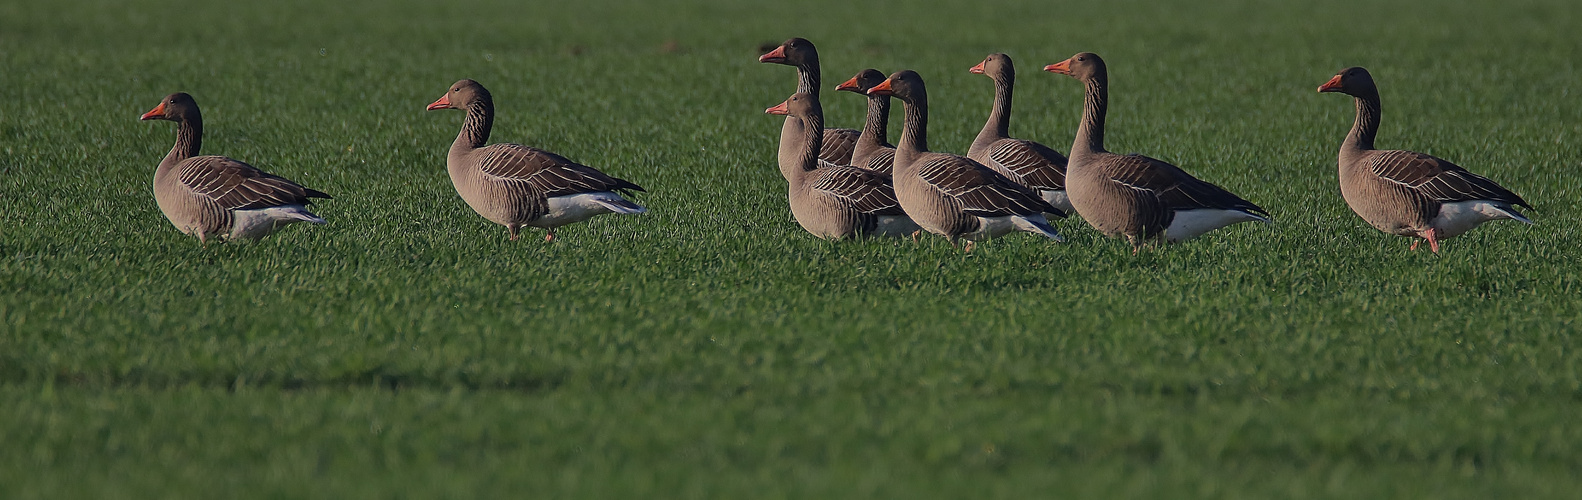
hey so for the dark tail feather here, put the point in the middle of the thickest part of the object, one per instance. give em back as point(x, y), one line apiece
point(626, 187)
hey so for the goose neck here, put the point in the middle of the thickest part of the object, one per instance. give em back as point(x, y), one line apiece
point(1367, 123)
point(189, 137)
point(999, 124)
point(800, 141)
point(875, 132)
point(475, 130)
point(914, 131)
point(1090, 132)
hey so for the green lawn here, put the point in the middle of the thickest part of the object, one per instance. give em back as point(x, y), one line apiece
point(711, 348)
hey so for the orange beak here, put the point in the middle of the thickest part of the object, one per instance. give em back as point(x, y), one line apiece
point(156, 113)
point(1062, 67)
point(850, 86)
point(978, 70)
point(779, 109)
point(778, 55)
point(442, 103)
point(1333, 85)
point(883, 88)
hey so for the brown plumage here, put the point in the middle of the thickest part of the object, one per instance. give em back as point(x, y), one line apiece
point(800, 53)
point(1028, 163)
point(515, 185)
point(833, 202)
point(208, 196)
point(873, 150)
point(1407, 193)
point(1134, 196)
point(951, 195)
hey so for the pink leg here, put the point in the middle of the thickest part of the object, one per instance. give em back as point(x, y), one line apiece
point(1414, 244)
point(549, 237)
point(969, 246)
point(1432, 235)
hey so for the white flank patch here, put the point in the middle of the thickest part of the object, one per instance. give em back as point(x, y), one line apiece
point(1060, 200)
point(579, 207)
point(995, 227)
point(1190, 224)
point(1460, 217)
point(990, 228)
point(255, 224)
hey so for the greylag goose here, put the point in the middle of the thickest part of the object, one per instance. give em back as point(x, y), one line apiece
point(873, 150)
point(209, 196)
point(1028, 163)
point(950, 195)
point(1407, 193)
point(1134, 196)
point(515, 185)
point(800, 53)
point(837, 201)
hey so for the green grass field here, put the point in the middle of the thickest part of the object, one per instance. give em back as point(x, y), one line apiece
point(711, 348)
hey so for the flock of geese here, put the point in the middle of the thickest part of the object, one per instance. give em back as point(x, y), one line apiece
point(847, 183)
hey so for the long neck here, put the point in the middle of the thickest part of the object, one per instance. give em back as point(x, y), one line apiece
point(800, 141)
point(999, 124)
point(189, 136)
point(1090, 133)
point(875, 132)
point(475, 131)
point(914, 130)
point(808, 77)
point(1367, 124)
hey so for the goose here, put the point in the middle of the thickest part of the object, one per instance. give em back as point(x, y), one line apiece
point(1028, 163)
point(837, 201)
point(873, 150)
point(950, 195)
point(1406, 193)
point(515, 185)
point(801, 54)
point(216, 196)
point(1134, 196)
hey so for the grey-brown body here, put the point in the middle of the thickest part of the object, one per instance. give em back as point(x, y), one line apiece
point(216, 196)
point(833, 202)
point(515, 185)
point(1407, 193)
point(951, 195)
point(1133, 196)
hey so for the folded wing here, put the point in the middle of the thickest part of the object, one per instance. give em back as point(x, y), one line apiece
point(233, 185)
point(982, 192)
